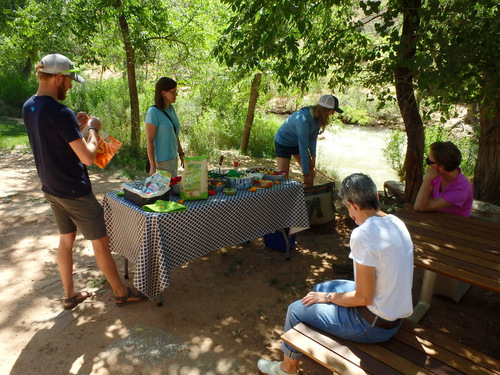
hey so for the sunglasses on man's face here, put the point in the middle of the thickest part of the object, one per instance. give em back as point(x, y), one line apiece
point(429, 161)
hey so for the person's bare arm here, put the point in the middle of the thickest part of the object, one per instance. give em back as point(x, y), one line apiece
point(424, 202)
point(362, 296)
point(181, 153)
point(86, 149)
point(150, 145)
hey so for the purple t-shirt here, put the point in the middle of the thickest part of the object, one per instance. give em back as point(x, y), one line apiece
point(458, 193)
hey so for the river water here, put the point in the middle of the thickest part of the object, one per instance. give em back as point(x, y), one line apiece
point(351, 149)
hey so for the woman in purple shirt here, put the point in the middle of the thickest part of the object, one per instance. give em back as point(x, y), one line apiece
point(445, 188)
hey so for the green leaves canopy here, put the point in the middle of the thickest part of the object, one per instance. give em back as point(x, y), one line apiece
point(297, 40)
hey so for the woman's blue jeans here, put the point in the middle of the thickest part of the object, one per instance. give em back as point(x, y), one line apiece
point(343, 322)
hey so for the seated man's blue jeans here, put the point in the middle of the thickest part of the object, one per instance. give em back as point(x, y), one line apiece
point(343, 322)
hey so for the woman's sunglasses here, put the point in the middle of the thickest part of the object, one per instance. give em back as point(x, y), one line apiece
point(429, 161)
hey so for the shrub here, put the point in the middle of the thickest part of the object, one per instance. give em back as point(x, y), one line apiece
point(467, 144)
point(14, 91)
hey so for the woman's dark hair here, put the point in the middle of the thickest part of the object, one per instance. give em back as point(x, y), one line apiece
point(446, 154)
point(359, 189)
point(163, 84)
point(322, 115)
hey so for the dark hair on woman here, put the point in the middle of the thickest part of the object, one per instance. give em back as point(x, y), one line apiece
point(163, 84)
point(446, 154)
point(359, 189)
point(322, 115)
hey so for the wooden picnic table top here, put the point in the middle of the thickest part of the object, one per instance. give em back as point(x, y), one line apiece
point(464, 248)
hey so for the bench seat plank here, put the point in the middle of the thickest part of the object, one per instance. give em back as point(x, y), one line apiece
point(414, 349)
point(486, 243)
point(432, 356)
point(466, 254)
point(490, 363)
point(458, 273)
point(485, 227)
point(336, 358)
point(366, 358)
point(457, 263)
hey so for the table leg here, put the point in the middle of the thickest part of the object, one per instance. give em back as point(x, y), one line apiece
point(425, 297)
point(287, 243)
point(160, 300)
point(125, 274)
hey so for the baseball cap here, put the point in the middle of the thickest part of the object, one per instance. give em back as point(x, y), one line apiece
point(330, 102)
point(60, 64)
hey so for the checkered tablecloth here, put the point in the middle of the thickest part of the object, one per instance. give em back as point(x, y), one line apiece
point(159, 242)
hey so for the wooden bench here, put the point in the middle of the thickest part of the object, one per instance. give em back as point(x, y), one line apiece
point(461, 248)
point(413, 350)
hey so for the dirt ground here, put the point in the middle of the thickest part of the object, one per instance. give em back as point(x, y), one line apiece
point(221, 313)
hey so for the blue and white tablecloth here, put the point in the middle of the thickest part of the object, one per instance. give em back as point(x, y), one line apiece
point(159, 242)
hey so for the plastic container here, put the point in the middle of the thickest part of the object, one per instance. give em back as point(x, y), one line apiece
point(217, 184)
point(241, 182)
point(141, 199)
point(267, 173)
point(229, 191)
point(273, 177)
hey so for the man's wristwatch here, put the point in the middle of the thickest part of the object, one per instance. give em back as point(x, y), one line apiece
point(328, 297)
point(93, 128)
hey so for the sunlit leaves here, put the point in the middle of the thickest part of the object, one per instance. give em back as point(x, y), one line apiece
point(297, 40)
point(460, 51)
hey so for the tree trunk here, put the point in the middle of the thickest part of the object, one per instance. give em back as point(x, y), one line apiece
point(407, 103)
point(254, 95)
point(487, 173)
point(27, 68)
point(135, 129)
point(471, 118)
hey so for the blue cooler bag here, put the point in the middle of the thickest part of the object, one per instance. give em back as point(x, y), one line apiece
point(276, 240)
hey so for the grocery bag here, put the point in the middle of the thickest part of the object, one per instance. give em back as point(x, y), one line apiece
point(194, 182)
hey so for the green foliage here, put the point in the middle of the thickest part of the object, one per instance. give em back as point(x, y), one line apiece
point(361, 108)
point(261, 143)
point(15, 90)
point(459, 50)
point(213, 115)
point(395, 152)
point(128, 163)
point(12, 135)
point(302, 47)
point(467, 144)
point(299, 41)
point(107, 99)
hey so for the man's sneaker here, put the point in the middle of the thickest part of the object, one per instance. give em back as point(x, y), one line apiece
point(272, 368)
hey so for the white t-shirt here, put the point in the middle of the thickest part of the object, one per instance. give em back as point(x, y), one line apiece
point(384, 243)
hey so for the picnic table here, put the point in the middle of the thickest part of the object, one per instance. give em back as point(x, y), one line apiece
point(465, 249)
point(158, 242)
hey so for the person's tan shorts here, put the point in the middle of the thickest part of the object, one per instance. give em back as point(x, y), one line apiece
point(171, 167)
point(84, 213)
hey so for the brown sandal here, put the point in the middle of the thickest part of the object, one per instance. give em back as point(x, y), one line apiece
point(129, 298)
point(75, 301)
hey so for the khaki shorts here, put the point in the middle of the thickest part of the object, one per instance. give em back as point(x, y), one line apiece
point(170, 166)
point(84, 213)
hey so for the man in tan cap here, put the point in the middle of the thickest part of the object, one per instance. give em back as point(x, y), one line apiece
point(61, 155)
